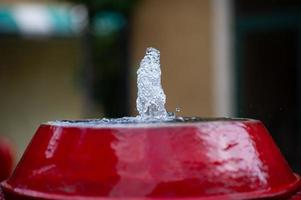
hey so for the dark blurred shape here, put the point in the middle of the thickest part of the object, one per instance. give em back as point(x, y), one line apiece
point(6, 159)
point(109, 50)
point(255, 7)
point(268, 35)
point(107, 42)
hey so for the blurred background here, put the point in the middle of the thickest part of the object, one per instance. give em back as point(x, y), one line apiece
point(78, 59)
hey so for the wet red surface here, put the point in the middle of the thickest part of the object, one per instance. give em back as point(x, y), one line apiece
point(203, 160)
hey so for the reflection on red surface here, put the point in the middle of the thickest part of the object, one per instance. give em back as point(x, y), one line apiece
point(219, 160)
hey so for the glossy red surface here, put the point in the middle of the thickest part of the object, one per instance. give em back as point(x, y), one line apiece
point(6, 159)
point(203, 160)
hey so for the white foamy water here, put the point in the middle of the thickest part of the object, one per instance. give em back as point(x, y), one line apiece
point(150, 97)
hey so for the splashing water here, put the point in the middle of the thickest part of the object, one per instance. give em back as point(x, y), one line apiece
point(151, 98)
point(150, 101)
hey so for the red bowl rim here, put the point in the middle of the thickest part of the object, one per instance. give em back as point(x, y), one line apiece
point(288, 190)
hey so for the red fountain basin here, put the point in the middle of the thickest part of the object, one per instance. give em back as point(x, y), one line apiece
point(222, 159)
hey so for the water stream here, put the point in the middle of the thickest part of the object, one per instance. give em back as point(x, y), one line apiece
point(150, 96)
point(150, 101)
